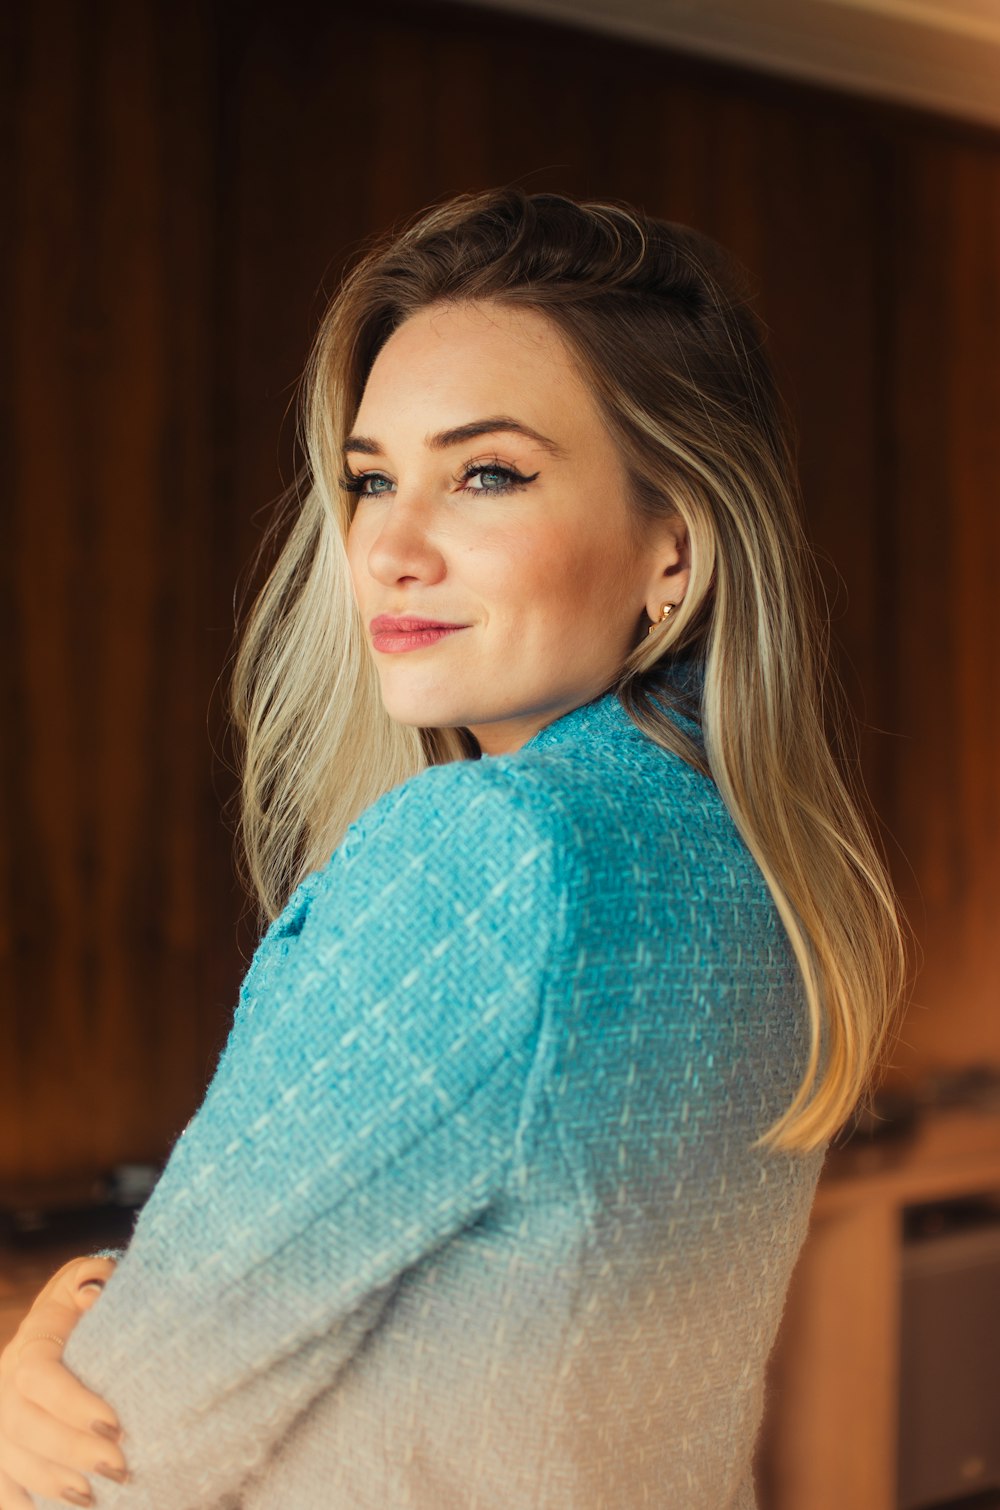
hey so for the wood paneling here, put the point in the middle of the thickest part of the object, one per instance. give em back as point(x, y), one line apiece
point(189, 183)
point(944, 801)
point(121, 899)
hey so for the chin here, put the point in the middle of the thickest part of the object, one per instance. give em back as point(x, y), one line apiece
point(423, 710)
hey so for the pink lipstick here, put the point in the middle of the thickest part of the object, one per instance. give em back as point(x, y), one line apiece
point(392, 632)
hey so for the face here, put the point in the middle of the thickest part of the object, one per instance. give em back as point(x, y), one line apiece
point(490, 498)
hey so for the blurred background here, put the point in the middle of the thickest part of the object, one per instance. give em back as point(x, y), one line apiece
point(186, 184)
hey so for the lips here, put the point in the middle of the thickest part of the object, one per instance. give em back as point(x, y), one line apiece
point(386, 623)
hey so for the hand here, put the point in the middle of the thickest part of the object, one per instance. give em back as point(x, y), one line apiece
point(54, 1431)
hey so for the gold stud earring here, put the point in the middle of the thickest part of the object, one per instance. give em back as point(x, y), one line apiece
point(665, 612)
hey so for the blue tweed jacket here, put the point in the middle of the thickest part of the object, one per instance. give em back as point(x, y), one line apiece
point(469, 1215)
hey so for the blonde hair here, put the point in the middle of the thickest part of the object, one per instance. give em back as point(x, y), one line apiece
point(659, 319)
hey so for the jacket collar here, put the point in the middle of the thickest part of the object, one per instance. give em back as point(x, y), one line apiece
point(604, 718)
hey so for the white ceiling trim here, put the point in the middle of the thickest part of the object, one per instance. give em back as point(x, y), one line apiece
point(941, 55)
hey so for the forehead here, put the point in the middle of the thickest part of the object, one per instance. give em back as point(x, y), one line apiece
point(476, 354)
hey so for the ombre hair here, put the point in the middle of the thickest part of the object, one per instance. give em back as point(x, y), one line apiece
point(658, 317)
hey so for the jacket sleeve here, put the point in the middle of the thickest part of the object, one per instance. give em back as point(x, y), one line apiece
point(365, 1109)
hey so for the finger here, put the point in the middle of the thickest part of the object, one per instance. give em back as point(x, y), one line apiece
point(50, 1318)
point(64, 1281)
point(81, 1283)
point(32, 1365)
point(38, 1476)
point(12, 1496)
point(87, 1293)
point(46, 1382)
point(58, 1278)
point(43, 1438)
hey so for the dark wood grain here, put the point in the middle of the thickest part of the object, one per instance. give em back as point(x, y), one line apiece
point(943, 801)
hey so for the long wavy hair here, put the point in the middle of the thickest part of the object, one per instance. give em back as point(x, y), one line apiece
point(659, 319)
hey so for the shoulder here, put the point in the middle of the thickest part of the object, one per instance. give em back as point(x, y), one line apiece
point(591, 795)
point(472, 807)
point(464, 849)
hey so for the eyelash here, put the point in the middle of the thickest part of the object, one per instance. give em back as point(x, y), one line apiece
point(354, 481)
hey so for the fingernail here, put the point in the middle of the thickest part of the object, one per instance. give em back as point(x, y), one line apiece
point(106, 1430)
point(91, 1284)
point(118, 1474)
point(76, 1498)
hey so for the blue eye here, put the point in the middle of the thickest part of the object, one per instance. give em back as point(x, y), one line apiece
point(509, 479)
point(505, 480)
point(354, 482)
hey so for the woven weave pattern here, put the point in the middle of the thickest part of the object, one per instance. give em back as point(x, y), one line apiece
point(468, 1217)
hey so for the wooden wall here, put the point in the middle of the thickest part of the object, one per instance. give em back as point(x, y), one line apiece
point(187, 182)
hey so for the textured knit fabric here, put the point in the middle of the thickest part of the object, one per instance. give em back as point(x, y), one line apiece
point(469, 1217)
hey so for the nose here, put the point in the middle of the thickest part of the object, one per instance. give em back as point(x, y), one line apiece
point(405, 545)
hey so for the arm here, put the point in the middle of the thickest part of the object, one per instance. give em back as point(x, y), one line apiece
point(365, 1108)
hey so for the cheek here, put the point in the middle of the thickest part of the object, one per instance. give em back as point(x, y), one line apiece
point(540, 582)
point(500, 562)
point(357, 553)
point(571, 570)
point(563, 603)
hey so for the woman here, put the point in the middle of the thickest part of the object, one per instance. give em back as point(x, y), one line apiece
point(579, 950)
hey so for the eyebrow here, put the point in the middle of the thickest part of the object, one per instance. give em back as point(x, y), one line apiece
point(496, 424)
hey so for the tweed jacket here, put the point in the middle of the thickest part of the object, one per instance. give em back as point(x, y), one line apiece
point(470, 1214)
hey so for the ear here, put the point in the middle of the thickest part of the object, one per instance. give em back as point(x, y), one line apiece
point(670, 555)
